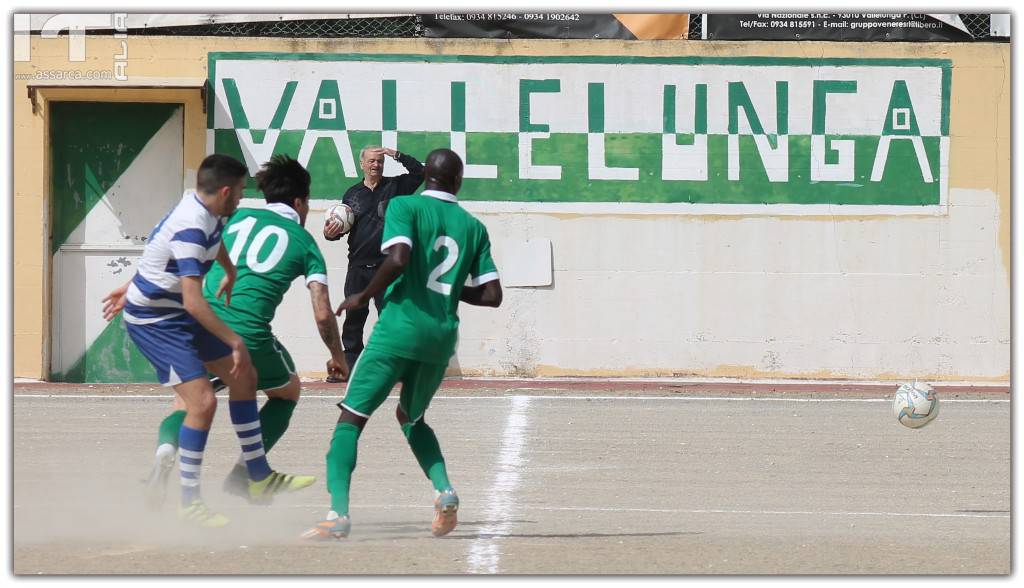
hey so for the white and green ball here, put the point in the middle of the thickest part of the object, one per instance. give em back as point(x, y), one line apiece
point(343, 213)
point(915, 405)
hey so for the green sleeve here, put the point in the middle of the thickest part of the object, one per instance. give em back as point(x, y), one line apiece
point(398, 223)
point(483, 269)
point(316, 267)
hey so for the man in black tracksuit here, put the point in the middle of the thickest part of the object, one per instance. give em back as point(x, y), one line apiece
point(368, 200)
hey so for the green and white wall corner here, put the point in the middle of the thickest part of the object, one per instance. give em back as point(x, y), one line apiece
point(117, 169)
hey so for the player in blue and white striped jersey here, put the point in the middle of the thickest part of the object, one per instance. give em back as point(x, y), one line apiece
point(184, 243)
point(174, 327)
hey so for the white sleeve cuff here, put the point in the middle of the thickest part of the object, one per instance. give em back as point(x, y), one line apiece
point(322, 278)
point(394, 241)
point(479, 281)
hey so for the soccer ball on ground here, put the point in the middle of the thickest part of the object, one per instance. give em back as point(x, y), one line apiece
point(343, 213)
point(916, 404)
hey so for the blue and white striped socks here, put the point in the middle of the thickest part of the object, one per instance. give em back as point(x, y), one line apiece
point(246, 418)
point(191, 442)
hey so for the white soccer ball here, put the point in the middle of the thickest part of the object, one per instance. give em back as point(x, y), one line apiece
point(916, 404)
point(343, 213)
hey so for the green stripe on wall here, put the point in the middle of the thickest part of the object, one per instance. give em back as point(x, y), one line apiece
point(389, 105)
point(112, 358)
point(458, 106)
point(93, 143)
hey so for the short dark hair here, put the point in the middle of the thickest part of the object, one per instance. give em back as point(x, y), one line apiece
point(283, 179)
point(443, 170)
point(217, 171)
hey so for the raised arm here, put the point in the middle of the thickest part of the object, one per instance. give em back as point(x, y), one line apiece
point(407, 182)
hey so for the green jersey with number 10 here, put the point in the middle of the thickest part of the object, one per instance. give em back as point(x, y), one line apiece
point(450, 249)
point(270, 249)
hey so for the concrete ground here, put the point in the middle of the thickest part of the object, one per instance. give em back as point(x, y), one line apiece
point(597, 479)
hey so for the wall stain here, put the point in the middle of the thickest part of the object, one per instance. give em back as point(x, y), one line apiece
point(118, 265)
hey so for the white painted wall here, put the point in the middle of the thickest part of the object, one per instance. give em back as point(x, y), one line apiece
point(839, 297)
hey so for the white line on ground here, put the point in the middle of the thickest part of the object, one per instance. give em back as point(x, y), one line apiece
point(531, 396)
point(483, 552)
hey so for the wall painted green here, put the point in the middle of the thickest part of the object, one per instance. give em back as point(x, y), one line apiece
point(111, 358)
point(93, 144)
point(901, 183)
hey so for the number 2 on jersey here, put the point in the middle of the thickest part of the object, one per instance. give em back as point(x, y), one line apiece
point(434, 279)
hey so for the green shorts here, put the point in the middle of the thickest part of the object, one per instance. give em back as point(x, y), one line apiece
point(377, 372)
point(273, 363)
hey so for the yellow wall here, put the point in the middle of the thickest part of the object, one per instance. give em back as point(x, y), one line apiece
point(980, 121)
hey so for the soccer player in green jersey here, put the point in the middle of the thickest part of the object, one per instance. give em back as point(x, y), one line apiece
point(437, 254)
point(270, 248)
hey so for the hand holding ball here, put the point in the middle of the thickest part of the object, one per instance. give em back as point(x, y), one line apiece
point(338, 220)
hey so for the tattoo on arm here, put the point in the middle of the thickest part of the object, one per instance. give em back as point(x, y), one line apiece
point(326, 323)
point(329, 334)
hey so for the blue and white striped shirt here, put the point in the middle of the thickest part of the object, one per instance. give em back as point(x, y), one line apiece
point(184, 243)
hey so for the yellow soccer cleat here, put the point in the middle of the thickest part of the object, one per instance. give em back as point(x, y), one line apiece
point(200, 515)
point(277, 483)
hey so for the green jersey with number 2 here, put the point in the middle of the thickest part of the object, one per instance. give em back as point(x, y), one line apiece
point(270, 249)
point(450, 249)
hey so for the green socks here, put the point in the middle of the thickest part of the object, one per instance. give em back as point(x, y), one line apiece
point(341, 461)
point(274, 418)
point(428, 453)
point(169, 428)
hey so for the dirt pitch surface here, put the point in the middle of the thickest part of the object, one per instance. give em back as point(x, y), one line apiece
point(599, 478)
